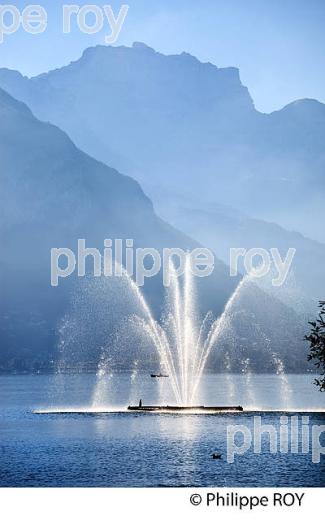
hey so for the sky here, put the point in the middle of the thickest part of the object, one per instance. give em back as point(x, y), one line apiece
point(278, 45)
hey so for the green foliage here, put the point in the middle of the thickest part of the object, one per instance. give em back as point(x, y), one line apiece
point(316, 339)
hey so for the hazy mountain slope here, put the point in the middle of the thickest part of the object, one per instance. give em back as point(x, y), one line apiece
point(221, 228)
point(51, 195)
point(173, 122)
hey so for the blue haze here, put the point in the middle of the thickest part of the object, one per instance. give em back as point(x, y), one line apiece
point(278, 46)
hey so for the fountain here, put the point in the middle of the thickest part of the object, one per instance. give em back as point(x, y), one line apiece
point(183, 343)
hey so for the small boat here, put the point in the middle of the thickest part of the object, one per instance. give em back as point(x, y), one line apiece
point(158, 375)
point(216, 455)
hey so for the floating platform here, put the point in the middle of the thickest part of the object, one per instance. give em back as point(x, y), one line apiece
point(194, 409)
point(190, 410)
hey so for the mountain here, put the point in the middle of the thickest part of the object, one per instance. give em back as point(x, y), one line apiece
point(220, 228)
point(177, 124)
point(52, 194)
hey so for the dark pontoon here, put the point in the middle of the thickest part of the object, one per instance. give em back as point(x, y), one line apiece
point(211, 409)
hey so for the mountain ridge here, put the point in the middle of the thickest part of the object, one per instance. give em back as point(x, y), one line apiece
point(52, 194)
point(177, 105)
point(143, 46)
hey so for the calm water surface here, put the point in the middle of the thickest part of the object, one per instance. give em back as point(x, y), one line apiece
point(148, 450)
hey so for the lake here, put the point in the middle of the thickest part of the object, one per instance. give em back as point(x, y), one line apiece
point(135, 449)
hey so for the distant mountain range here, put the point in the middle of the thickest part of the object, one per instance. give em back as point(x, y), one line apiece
point(218, 170)
point(52, 194)
point(177, 124)
point(220, 228)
